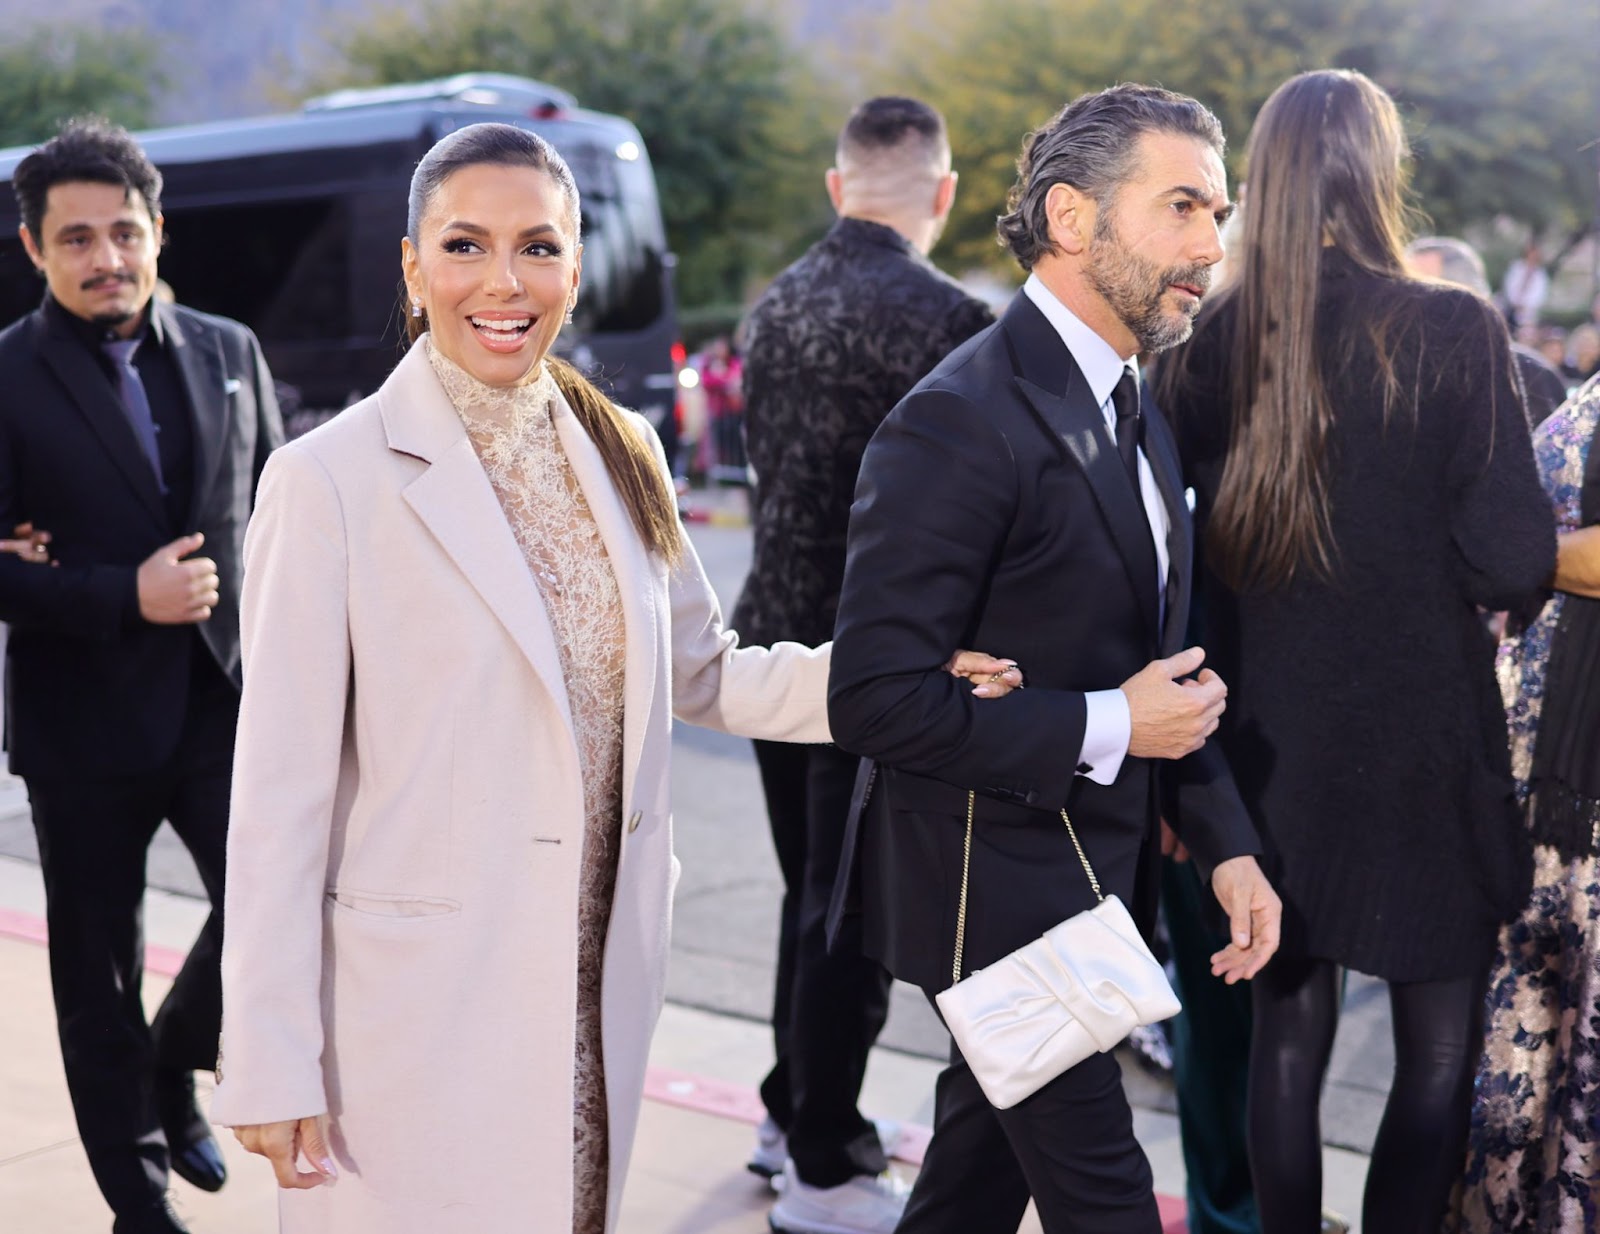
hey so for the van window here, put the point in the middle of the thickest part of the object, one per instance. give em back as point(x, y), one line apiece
point(622, 284)
point(283, 267)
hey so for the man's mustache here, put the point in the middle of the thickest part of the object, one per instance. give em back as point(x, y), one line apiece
point(107, 280)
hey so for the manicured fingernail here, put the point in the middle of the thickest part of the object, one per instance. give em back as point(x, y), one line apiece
point(327, 1167)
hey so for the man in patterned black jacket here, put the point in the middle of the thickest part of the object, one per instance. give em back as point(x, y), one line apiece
point(836, 341)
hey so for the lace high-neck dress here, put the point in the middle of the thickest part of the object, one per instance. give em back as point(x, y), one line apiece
point(514, 433)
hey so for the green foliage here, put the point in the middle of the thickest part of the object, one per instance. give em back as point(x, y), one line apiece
point(49, 75)
point(729, 113)
point(1501, 104)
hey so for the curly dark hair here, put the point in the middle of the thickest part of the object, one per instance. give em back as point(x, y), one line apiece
point(87, 148)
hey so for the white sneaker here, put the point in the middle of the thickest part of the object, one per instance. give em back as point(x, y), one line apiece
point(861, 1206)
point(772, 1147)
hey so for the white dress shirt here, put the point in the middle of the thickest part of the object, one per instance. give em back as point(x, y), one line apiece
point(1107, 722)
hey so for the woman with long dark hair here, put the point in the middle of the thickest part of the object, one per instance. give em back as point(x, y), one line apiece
point(1366, 487)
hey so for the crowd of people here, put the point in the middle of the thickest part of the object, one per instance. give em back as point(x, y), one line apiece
point(1238, 555)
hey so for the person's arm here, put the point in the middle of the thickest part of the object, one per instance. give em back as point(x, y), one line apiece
point(1500, 517)
point(295, 643)
point(937, 496)
point(1578, 562)
point(94, 602)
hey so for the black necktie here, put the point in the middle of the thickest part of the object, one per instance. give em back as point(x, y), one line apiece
point(1125, 400)
point(135, 403)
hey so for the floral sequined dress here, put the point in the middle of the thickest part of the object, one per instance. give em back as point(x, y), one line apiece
point(1533, 1157)
point(514, 434)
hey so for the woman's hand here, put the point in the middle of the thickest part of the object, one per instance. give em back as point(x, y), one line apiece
point(1578, 562)
point(993, 678)
point(281, 1143)
point(28, 544)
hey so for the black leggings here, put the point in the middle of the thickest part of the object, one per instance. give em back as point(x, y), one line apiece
point(1418, 1154)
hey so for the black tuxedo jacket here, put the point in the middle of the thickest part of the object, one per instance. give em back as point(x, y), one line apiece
point(92, 689)
point(994, 511)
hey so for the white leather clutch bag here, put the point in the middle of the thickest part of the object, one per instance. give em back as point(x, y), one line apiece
point(1080, 988)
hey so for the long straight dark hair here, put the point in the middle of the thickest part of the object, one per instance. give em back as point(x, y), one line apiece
point(1324, 167)
point(629, 460)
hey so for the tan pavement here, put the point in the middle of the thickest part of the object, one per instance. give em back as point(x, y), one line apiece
point(687, 1175)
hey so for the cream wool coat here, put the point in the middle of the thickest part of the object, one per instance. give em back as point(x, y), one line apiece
point(407, 825)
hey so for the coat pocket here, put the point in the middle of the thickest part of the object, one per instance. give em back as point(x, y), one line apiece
point(385, 904)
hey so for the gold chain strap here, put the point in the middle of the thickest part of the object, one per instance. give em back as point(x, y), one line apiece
point(966, 864)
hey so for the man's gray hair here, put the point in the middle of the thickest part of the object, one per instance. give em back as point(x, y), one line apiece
point(1090, 145)
point(1459, 262)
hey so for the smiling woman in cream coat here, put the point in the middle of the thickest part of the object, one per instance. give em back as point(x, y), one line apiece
point(450, 813)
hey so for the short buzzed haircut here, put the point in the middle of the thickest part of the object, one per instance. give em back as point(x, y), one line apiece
point(1459, 262)
point(1090, 145)
point(88, 148)
point(892, 123)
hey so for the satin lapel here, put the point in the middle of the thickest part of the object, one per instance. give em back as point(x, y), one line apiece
point(198, 355)
point(455, 501)
point(1161, 448)
point(636, 575)
point(96, 399)
point(1044, 365)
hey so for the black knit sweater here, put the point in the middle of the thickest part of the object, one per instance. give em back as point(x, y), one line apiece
point(1364, 725)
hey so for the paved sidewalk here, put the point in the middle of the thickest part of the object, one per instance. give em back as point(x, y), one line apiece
point(687, 1175)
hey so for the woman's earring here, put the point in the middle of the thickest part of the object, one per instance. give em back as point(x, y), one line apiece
point(416, 308)
point(571, 304)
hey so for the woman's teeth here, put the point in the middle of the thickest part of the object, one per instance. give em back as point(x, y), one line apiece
point(501, 331)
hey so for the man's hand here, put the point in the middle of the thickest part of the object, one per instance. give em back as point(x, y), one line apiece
point(175, 592)
point(28, 544)
point(281, 1143)
point(1170, 718)
point(1255, 916)
point(1171, 846)
point(992, 678)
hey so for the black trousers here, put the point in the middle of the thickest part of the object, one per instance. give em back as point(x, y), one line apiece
point(1070, 1146)
point(93, 837)
point(828, 1009)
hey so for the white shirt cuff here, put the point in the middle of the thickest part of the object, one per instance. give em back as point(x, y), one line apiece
point(1107, 729)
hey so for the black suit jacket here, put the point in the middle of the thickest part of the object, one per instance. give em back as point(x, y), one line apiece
point(993, 511)
point(92, 689)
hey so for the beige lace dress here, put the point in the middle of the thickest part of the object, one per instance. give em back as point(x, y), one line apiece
point(514, 433)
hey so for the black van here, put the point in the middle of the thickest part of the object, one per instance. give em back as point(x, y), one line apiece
point(292, 225)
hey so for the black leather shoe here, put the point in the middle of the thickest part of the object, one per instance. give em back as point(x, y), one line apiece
point(195, 1155)
point(199, 1162)
point(157, 1219)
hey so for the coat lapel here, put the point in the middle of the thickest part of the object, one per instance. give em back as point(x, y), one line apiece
point(455, 501)
point(1161, 448)
point(198, 356)
point(96, 399)
point(636, 581)
point(1050, 381)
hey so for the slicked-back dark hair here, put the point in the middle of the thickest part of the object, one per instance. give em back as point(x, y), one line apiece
point(889, 122)
point(1089, 144)
point(87, 149)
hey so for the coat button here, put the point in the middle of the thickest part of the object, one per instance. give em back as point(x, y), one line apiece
point(633, 823)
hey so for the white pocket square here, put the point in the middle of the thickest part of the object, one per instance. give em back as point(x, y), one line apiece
point(230, 385)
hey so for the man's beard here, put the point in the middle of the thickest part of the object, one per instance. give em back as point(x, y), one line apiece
point(1134, 287)
point(109, 320)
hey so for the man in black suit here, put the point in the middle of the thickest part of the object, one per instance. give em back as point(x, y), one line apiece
point(132, 432)
point(832, 345)
point(1019, 498)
